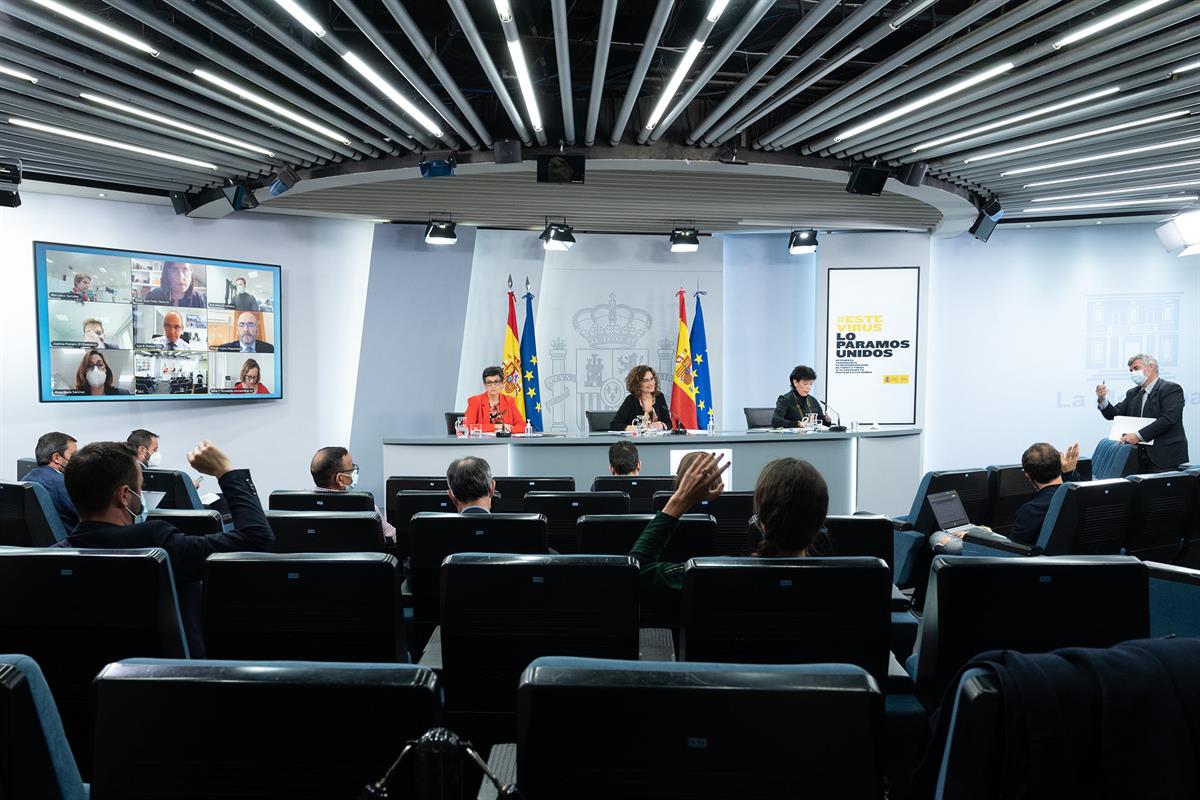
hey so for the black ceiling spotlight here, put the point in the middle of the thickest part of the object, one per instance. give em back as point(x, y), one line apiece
point(867, 179)
point(240, 196)
point(685, 239)
point(440, 231)
point(10, 178)
point(285, 179)
point(557, 236)
point(802, 242)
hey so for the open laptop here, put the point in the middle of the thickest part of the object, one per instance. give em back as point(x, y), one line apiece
point(949, 512)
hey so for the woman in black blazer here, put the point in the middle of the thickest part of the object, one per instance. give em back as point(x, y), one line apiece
point(792, 407)
point(644, 400)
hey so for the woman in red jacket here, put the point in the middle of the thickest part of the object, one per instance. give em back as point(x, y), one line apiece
point(494, 410)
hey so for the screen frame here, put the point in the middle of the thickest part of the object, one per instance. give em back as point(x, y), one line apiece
point(42, 323)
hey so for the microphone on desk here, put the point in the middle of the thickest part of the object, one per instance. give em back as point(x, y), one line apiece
point(839, 427)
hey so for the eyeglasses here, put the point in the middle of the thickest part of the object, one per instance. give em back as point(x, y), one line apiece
point(352, 471)
point(650, 379)
point(495, 382)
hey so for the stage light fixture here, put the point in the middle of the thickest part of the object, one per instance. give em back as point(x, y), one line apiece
point(685, 240)
point(1181, 235)
point(91, 22)
point(10, 179)
point(438, 167)
point(440, 231)
point(240, 196)
point(558, 236)
point(802, 242)
point(285, 179)
point(1106, 22)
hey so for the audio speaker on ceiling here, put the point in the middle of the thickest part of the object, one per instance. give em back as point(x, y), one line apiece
point(508, 152)
point(867, 180)
point(912, 174)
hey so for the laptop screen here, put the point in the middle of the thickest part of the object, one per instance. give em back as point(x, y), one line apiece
point(948, 510)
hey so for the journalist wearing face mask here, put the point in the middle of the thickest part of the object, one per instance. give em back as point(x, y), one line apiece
point(105, 484)
point(1157, 400)
point(333, 470)
point(95, 376)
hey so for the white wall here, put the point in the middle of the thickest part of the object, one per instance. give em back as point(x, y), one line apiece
point(324, 279)
point(1023, 328)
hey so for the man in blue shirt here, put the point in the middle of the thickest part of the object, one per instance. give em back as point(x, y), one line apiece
point(53, 451)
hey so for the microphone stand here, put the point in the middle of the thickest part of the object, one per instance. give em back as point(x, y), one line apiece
point(839, 427)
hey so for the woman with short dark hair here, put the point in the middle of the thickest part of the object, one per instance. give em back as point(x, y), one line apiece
point(792, 407)
point(493, 410)
point(644, 400)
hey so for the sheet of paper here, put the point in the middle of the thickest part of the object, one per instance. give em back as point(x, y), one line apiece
point(1123, 425)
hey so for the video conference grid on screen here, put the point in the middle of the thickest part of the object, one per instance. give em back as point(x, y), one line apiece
point(118, 324)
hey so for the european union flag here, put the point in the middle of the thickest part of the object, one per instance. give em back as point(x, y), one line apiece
point(529, 370)
point(699, 347)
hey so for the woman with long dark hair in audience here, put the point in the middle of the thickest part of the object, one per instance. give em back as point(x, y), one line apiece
point(791, 500)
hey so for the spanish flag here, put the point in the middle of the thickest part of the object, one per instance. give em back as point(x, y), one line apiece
point(511, 363)
point(683, 387)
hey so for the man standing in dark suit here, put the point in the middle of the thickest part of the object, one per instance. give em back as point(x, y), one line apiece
point(105, 484)
point(470, 485)
point(1151, 396)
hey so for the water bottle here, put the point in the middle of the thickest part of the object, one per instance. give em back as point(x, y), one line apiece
point(712, 423)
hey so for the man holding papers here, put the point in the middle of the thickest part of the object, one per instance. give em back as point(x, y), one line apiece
point(1160, 405)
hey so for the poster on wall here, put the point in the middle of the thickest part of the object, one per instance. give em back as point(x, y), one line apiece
point(871, 344)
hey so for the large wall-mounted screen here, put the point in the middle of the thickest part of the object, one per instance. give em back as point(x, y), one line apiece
point(131, 325)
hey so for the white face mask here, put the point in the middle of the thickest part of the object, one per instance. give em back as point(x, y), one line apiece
point(96, 376)
point(154, 460)
point(1138, 377)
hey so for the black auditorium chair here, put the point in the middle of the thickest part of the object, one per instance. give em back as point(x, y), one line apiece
point(499, 612)
point(183, 730)
point(863, 535)
point(758, 418)
point(1087, 518)
point(1174, 600)
point(408, 502)
point(436, 536)
point(304, 606)
point(309, 500)
point(189, 521)
point(28, 517)
point(73, 611)
point(1029, 604)
point(1162, 514)
point(703, 731)
point(451, 418)
point(913, 555)
point(789, 611)
point(563, 508)
point(615, 534)
point(599, 421)
point(514, 490)
point(25, 465)
point(326, 531)
point(1007, 490)
point(415, 483)
point(176, 488)
point(732, 510)
point(640, 488)
point(35, 759)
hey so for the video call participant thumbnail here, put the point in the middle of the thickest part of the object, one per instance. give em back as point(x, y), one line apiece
point(173, 337)
point(248, 332)
point(95, 376)
point(82, 288)
point(251, 379)
point(93, 334)
point(177, 287)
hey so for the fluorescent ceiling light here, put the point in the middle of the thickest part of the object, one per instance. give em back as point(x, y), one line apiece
point(681, 71)
point(392, 93)
point(1114, 174)
point(89, 21)
point(685, 240)
point(24, 76)
point(1145, 201)
point(1129, 151)
point(87, 137)
point(1154, 187)
point(504, 10)
point(802, 242)
point(716, 10)
point(271, 106)
point(1083, 135)
point(909, 11)
point(928, 99)
point(1106, 22)
point(174, 123)
point(302, 16)
point(1186, 68)
point(531, 105)
point(1004, 123)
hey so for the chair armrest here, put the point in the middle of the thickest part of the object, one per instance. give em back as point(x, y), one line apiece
point(898, 681)
point(907, 551)
point(986, 543)
point(656, 644)
point(431, 656)
point(502, 761)
point(900, 601)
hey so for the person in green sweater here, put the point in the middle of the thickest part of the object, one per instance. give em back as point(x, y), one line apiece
point(791, 500)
